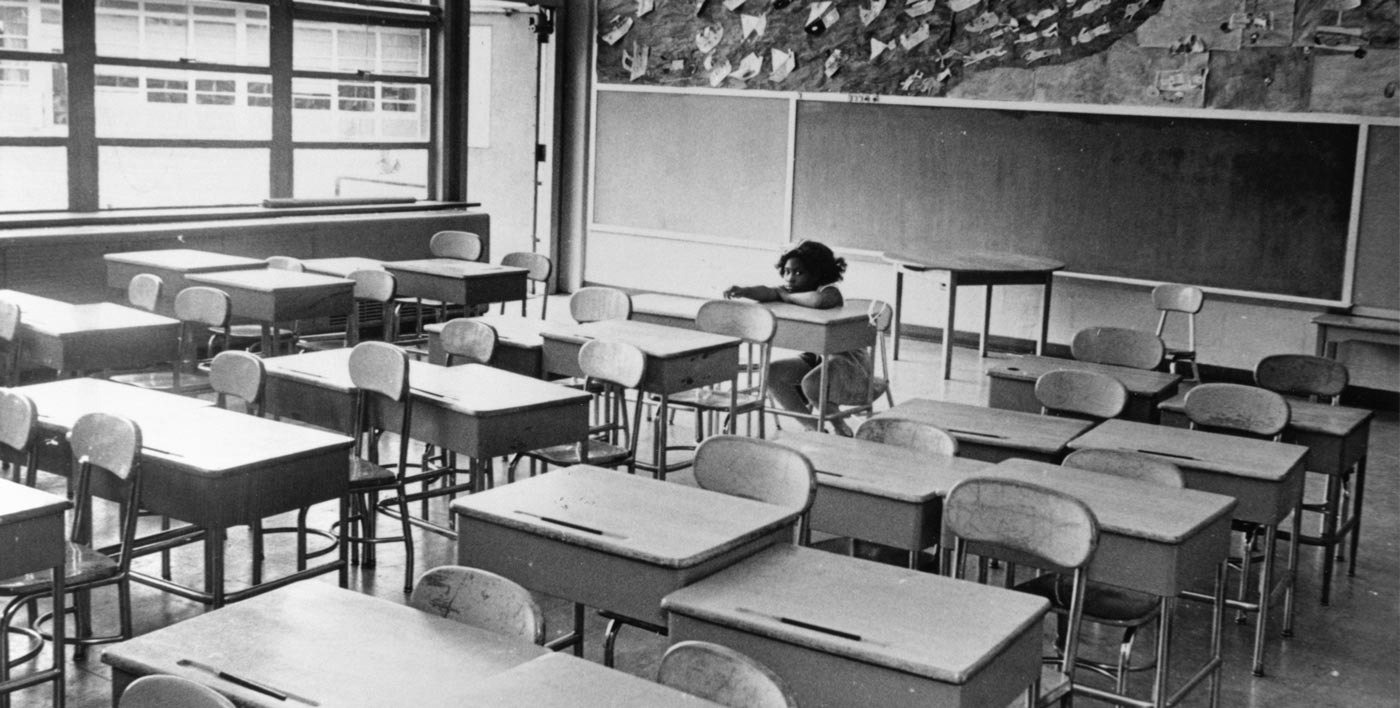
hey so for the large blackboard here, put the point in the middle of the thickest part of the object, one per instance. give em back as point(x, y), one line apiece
point(1245, 205)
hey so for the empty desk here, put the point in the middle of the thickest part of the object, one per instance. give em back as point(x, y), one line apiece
point(340, 267)
point(994, 435)
point(847, 632)
point(172, 265)
point(879, 492)
point(519, 344)
point(458, 282)
point(318, 644)
point(1337, 438)
point(676, 360)
point(977, 268)
point(563, 681)
point(33, 539)
point(611, 540)
point(271, 296)
point(1152, 539)
point(1335, 329)
point(79, 338)
point(1266, 478)
point(1012, 384)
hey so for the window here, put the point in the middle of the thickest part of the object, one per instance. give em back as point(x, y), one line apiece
point(186, 96)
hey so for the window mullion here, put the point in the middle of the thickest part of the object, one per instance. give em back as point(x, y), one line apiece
point(280, 38)
point(80, 49)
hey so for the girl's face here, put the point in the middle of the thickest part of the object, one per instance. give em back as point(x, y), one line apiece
point(796, 277)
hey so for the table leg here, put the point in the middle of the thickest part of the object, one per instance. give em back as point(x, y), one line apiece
point(1328, 539)
point(578, 629)
point(898, 308)
point(1266, 577)
point(1356, 514)
point(986, 324)
point(1044, 316)
point(1289, 595)
point(948, 326)
point(1166, 608)
point(343, 573)
point(214, 565)
point(1217, 631)
point(267, 341)
point(663, 414)
point(821, 398)
point(1320, 346)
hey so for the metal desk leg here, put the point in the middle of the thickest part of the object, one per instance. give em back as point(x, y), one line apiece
point(214, 565)
point(948, 326)
point(1044, 316)
point(898, 308)
point(1266, 578)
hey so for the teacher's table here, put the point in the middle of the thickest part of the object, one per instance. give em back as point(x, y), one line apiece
point(1335, 329)
point(1337, 438)
point(879, 492)
point(458, 282)
point(1012, 384)
point(676, 360)
point(562, 681)
point(610, 540)
point(1266, 478)
point(33, 539)
point(806, 329)
point(80, 338)
point(271, 296)
point(341, 267)
point(994, 435)
point(519, 344)
point(314, 644)
point(212, 468)
point(474, 410)
point(172, 265)
point(1152, 539)
point(848, 632)
point(978, 268)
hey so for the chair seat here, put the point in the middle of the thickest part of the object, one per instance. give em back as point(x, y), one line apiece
point(713, 399)
point(366, 474)
point(1180, 354)
point(248, 331)
point(81, 565)
point(600, 453)
point(1102, 602)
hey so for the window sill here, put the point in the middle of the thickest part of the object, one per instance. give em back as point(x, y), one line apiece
point(47, 221)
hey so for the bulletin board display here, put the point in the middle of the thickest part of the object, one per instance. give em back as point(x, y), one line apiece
point(712, 165)
point(1378, 234)
point(1242, 205)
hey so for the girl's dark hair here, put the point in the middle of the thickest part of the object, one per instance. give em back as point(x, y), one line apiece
point(826, 266)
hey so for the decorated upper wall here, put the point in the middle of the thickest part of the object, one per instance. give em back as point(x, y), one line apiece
point(1330, 56)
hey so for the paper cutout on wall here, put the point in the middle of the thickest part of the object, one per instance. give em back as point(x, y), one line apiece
point(919, 8)
point(635, 62)
point(754, 25)
point(914, 37)
point(833, 63)
point(709, 38)
point(644, 7)
point(783, 65)
point(749, 67)
point(960, 5)
point(616, 29)
point(869, 12)
point(820, 16)
point(732, 5)
point(719, 72)
point(1088, 8)
point(877, 48)
point(1202, 18)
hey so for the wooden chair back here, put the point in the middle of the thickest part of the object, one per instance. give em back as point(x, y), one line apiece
point(461, 245)
point(380, 368)
point(595, 303)
point(19, 428)
point(285, 263)
point(537, 267)
point(758, 469)
point(241, 375)
point(1118, 346)
point(162, 691)
point(107, 441)
point(748, 321)
point(1022, 523)
point(1315, 377)
point(468, 340)
point(910, 434)
point(721, 675)
point(481, 599)
point(144, 291)
point(374, 285)
point(1171, 297)
point(1237, 409)
point(202, 305)
point(10, 342)
point(1131, 465)
point(9, 320)
point(881, 316)
point(613, 362)
point(1080, 394)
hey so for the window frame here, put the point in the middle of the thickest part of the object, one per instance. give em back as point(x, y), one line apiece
point(80, 58)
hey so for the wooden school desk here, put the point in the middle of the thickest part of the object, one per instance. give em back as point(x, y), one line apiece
point(172, 265)
point(994, 435)
point(1152, 539)
point(211, 468)
point(610, 540)
point(676, 360)
point(33, 538)
point(806, 329)
point(519, 344)
point(340, 267)
point(1012, 384)
point(474, 410)
point(458, 282)
point(80, 338)
point(976, 268)
point(1335, 329)
point(1337, 438)
point(562, 681)
point(879, 492)
point(318, 644)
point(848, 632)
point(1266, 478)
point(271, 296)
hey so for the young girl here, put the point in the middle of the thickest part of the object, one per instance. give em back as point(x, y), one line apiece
point(810, 272)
